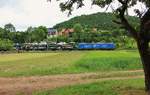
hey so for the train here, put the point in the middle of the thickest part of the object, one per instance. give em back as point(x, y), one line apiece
point(65, 46)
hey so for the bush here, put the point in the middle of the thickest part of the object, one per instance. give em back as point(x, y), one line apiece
point(6, 45)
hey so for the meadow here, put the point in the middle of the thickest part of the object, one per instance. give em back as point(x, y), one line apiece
point(67, 62)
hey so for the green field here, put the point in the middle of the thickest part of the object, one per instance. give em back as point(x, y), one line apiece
point(33, 64)
point(113, 87)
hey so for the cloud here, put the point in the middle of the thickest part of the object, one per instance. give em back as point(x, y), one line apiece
point(25, 13)
point(37, 12)
point(31, 13)
point(10, 3)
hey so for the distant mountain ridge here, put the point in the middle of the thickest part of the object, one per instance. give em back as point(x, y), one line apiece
point(102, 21)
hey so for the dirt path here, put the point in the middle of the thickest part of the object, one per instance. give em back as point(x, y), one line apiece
point(27, 85)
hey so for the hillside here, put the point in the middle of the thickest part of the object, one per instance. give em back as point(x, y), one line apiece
point(101, 21)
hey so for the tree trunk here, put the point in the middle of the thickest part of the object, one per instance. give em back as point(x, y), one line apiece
point(144, 51)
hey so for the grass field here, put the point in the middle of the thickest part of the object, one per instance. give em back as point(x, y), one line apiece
point(98, 72)
point(31, 64)
point(112, 87)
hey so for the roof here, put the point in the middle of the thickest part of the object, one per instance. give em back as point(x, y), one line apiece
point(52, 30)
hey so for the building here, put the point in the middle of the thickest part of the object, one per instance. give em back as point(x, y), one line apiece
point(66, 32)
point(52, 32)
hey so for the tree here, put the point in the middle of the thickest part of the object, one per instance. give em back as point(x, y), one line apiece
point(10, 27)
point(77, 32)
point(140, 34)
point(40, 33)
point(29, 34)
point(43, 31)
point(36, 34)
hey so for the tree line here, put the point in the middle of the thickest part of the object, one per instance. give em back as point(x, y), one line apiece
point(9, 36)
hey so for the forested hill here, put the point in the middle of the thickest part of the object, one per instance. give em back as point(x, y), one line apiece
point(101, 21)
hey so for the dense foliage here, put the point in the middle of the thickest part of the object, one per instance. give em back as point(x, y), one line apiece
point(101, 21)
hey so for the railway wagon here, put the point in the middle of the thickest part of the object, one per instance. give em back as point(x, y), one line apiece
point(88, 46)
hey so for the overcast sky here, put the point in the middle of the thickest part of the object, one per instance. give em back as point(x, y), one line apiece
point(25, 13)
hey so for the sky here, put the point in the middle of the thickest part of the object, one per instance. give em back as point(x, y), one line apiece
point(25, 13)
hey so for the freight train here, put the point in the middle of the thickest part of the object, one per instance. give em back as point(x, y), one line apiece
point(65, 46)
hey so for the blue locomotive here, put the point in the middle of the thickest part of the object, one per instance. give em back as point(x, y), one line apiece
point(87, 46)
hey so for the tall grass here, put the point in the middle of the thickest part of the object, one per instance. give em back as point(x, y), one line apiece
point(109, 60)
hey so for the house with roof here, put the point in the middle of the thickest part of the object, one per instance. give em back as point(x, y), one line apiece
point(66, 32)
point(52, 32)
